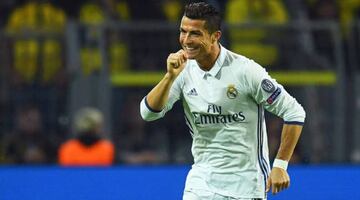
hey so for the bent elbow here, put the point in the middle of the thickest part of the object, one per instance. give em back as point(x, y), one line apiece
point(147, 117)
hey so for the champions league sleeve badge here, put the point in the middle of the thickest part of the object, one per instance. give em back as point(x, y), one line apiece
point(231, 91)
point(268, 86)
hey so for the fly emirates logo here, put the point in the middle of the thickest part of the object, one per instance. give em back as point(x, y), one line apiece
point(214, 116)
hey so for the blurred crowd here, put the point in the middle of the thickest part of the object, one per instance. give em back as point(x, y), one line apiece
point(36, 73)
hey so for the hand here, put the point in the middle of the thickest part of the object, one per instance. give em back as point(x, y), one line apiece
point(176, 63)
point(278, 180)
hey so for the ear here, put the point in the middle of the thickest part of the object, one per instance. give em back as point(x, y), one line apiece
point(215, 37)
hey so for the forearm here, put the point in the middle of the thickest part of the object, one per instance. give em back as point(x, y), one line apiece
point(289, 138)
point(158, 96)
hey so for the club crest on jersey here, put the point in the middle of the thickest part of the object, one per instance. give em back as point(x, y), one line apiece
point(268, 86)
point(231, 91)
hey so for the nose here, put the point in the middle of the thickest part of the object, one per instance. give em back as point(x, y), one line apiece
point(186, 39)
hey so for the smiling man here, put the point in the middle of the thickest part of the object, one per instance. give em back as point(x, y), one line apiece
point(224, 96)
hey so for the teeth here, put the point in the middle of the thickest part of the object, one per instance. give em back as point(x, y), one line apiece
point(188, 48)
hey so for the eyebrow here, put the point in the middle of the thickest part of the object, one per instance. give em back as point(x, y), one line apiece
point(194, 31)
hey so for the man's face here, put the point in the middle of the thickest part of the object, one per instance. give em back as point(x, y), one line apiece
point(195, 38)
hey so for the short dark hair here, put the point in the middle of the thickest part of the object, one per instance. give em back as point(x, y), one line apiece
point(204, 11)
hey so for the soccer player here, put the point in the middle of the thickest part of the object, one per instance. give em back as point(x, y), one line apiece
point(224, 96)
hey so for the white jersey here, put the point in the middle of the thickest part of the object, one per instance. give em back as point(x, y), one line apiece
point(224, 109)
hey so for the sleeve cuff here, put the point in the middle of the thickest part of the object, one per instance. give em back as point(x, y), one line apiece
point(294, 123)
point(151, 109)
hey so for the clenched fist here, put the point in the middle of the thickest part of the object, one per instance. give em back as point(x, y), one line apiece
point(279, 180)
point(176, 63)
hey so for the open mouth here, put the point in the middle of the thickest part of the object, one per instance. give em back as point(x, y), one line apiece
point(190, 50)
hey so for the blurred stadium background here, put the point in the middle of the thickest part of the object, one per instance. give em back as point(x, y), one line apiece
point(57, 56)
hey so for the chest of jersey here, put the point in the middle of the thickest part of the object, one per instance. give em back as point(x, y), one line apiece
point(218, 99)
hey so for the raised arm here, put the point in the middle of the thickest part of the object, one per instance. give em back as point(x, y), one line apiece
point(158, 96)
point(152, 106)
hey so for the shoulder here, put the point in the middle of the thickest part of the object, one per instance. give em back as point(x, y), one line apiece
point(245, 64)
point(235, 60)
point(240, 65)
point(245, 69)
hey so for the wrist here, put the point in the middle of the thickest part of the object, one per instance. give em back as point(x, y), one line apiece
point(169, 76)
point(282, 164)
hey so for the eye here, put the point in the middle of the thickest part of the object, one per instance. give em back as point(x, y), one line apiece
point(196, 33)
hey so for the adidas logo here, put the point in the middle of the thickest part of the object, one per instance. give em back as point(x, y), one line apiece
point(192, 92)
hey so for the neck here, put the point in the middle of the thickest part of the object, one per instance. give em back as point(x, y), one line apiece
point(208, 61)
